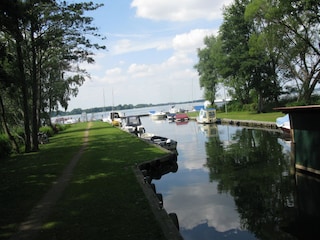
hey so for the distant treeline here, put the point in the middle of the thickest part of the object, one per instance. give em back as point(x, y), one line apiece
point(77, 111)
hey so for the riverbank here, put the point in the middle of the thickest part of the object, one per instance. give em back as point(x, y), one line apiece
point(102, 199)
point(246, 119)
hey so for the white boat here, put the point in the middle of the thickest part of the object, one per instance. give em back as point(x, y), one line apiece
point(284, 123)
point(158, 115)
point(171, 117)
point(132, 124)
point(173, 110)
point(207, 116)
point(164, 142)
point(114, 118)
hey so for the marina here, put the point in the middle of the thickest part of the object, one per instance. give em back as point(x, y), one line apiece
point(235, 182)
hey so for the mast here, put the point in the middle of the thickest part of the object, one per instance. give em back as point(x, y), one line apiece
point(112, 114)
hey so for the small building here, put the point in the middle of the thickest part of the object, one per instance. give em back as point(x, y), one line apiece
point(305, 134)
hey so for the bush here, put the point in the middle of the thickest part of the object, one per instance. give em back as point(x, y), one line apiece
point(61, 127)
point(5, 146)
point(47, 130)
point(252, 107)
point(235, 106)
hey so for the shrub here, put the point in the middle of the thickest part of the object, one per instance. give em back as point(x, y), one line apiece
point(5, 146)
point(47, 130)
point(61, 127)
point(235, 106)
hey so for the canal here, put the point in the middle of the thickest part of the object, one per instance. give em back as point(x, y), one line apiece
point(236, 183)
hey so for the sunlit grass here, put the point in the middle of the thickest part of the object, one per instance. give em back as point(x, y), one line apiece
point(265, 117)
point(103, 198)
point(250, 116)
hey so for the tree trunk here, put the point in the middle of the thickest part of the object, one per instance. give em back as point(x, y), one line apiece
point(24, 90)
point(6, 128)
point(35, 107)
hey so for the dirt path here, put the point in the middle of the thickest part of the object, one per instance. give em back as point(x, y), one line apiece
point(32, 225)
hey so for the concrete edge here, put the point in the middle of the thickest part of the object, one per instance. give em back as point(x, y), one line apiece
point(168, 227)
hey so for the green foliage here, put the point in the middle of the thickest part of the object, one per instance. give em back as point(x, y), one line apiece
point(207, 67)
point(47, 130)
point(5, 146)
point(290, 32)
point(61, 127)
point(262, 49)
point(235, 106)
point(42, 43)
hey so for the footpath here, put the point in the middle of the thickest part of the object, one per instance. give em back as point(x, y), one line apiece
point(32, 225)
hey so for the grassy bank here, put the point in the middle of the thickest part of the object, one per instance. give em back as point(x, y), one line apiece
point(103, 199)
point(264, 117)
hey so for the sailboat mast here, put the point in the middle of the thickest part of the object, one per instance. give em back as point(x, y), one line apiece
point(112, 114)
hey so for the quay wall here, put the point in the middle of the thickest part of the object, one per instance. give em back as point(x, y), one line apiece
point(249, 123)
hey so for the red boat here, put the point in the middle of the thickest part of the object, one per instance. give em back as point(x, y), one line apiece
point(181, 117)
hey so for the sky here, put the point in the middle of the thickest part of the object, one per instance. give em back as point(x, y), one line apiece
point(151, 51)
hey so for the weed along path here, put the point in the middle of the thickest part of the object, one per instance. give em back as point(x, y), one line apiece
point(33, 224)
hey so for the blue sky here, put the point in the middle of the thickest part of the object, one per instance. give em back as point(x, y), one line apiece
point(151, 50)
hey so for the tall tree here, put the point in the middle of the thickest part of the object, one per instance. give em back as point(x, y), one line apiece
point(236, 67)
point(247, 66)
point(292, 29)
point(48, 32)
point(206, 67)
point(12, 18)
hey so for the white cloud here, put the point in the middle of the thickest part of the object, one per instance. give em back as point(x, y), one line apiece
point(139, 70)
point(192, 40)
point(114, 71)
point(217, 210)
point(152, 61)
point(129, 45)
point(186, 10)
point(175, 73)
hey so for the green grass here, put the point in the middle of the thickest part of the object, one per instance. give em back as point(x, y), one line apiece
point(103, 199)
point(264, 117)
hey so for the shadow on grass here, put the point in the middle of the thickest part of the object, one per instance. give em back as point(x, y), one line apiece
point(103, 197)
point(27, 177)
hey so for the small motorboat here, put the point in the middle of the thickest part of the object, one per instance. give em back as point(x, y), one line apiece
point(164, 142)
point(132, 124)
point(114, 118)
point(207, 116)
point(158, 115)
point(171, 117)
point(181, 117)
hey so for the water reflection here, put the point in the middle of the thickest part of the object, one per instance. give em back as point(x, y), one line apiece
point(237, 183)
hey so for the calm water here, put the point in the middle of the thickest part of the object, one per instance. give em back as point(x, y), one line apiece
point(235, 183)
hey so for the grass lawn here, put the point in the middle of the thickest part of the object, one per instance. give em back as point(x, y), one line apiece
point(103, 199)
point(264, 117)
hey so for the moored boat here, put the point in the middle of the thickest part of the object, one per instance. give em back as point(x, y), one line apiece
point(158, 115)
point(132, 124)
point(284, 123)
point(171, 117)
point(181, 117)
point(114, 118)
point(164, 142)
point(207, 116)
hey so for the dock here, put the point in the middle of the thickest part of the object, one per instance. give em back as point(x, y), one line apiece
point(249, 123)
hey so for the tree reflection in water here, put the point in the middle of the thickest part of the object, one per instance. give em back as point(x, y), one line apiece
point(251, 166)
point(237, 183)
